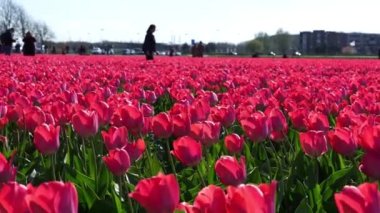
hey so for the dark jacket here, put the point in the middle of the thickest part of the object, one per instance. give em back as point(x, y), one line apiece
point(29, 48)
point(149, 43)
point(6, 38)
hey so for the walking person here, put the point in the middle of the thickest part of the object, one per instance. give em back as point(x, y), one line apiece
point(149, 46)
point(29, 48)
point(7, 40)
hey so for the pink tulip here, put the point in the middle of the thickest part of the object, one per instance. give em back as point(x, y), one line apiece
point(313, 143)
point(46, 139)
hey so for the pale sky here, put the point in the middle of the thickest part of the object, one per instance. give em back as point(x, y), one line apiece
point(207, 20)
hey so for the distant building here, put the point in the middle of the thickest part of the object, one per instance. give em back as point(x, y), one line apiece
point(331, 43)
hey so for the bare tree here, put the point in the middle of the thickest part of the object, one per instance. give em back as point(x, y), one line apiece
point(7, 14)
point(24, 21)
point(43, 32)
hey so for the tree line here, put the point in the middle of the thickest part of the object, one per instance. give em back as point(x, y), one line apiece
point(13, 15)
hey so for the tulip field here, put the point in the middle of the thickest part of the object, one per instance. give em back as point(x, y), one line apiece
point(192, 135)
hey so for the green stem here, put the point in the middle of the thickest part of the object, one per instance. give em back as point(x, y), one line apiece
point(356, 165)
point(148, 156)
point(53, 165)
point(170, 157)
point(127, 197)
point(201, 177)
point(84, 155)
point(95, 159)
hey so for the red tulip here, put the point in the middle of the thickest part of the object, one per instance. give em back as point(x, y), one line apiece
point(85, 123)
point(7, 170)
point(132, 117)
point(158, 194)
point(135, 149)
point(147, 110)
point(61, 112)
point(162, 125)
point(12, 198)
point(256, 127)
point(211, 199)
point(251, 198)
point(3, 110)
point(362, 199)
point(370, 138)
point(115, 137)
point(313, 143)
point(318, 121)
point(46, 139)
point(32, 117)
point(117, 161)
point(277, 120)
point(342, 142)
point(225, 115)
point(370, 165)
point(199, 110)
point(234, 143)
point(187, 208)
point(103, 110)
point(207, 132)
point(150, 97)
point(187, 150)
point(230, 171)
point(52, 197)
point(181, 124)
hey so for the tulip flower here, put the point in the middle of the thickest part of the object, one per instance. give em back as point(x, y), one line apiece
point(7, 170)
point(117, 161)
point(234, 143)
point(187, 150)
point(199, 110)
point(12, 197)
point(313, 143)
point(370, 138)
point(115, 137)
point(342, 142)
point(162, 125)
point(362, 199)
point(211, 199)
point(103, 110)
point(46, 139)
point(132, 117)
point(318, 121)
point(135, 149)
point(85, 123)
point(252, 198)
point(181, 124)
point(32, 117)
point(370, 165)
point(187, 208)
point(256, 127)
point(277, 120)
point(230, 171)
point(158, 194)
point(52, 197)
point(298, 118)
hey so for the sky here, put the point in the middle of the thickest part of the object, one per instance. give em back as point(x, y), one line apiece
point(179, 21)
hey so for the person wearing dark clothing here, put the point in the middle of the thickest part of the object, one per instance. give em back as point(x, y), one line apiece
point(379, 53)
point(149, 46)
point(18, 48)
point(200, 49)
point(7, 40)
point(29, 49)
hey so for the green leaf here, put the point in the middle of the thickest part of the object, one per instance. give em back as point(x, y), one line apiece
point(335, 182)
point(101, 206)
point(303, 207)
point(103, 181)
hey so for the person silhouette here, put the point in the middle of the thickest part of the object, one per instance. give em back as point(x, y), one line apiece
point(149, 46)
point(7, 40)
point(379, 53)
point(29, 49)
